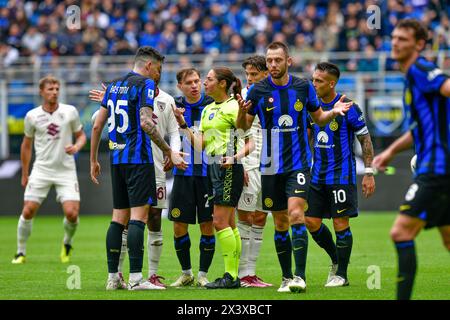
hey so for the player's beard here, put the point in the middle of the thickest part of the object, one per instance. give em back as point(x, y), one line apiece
point(281, 73)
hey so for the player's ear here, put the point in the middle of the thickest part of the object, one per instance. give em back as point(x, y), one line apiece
point(420, 45)
point(179, 86)
point(289, 61)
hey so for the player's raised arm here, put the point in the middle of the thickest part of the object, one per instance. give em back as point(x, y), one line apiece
point(323, 117)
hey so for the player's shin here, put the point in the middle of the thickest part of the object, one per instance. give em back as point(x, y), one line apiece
point(283, 247)
point(300, 249)
point(407, 265)
point(113, 245)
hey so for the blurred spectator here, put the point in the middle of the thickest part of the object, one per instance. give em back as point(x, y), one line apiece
point(33, 40)
point(187, 26)
point(8, 55)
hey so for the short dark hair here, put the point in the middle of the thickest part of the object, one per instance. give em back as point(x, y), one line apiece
point(420, 31)
point(330, 68)
point(257, 61)
point(277, 45)
point(183, 73)
point(145, 53)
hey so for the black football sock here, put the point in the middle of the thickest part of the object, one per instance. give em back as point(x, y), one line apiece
point(207, 247)
point(344, 243)
point(300, 248)
point(135, 241)
point(113, 245)
point(324, 239)
point(407, 266)
point(182, 248)
point(283, 247)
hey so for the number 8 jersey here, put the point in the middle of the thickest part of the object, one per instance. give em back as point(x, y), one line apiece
point(124, 98)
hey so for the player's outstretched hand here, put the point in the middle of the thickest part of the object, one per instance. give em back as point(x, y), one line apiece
point(97, 95)
point(341, 107)
point(381, 161)
point(178, 112)
point(368, 185)
point(244, 106)
point(176, 157)
point(95, 172)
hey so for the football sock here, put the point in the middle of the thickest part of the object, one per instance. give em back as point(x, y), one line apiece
point(113, 244)
point(407, 265)
point(135, 242)
point(238, 249)
point(244, 231)
point(344, 243)
point(324, 239)
point(182, 247)
point(123, 250)
point(154, 248)
point(227, 242)
point(69, 230)
point(207, 248)
point(300, 248)
point(256, 239)
point(24, 228)
point(283, 247)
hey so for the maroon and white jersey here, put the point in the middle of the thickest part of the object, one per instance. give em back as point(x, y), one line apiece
point(52, 132)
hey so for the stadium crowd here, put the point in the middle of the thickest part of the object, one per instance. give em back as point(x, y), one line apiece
point(119, 27)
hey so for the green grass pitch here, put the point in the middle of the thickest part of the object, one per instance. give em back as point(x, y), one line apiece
point(45, 277)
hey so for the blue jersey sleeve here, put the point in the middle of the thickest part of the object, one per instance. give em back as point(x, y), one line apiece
point(355, 118)
point(427, 78)
point(251, 95)
point(148, 94)
point(313, 102)
point(104, 102)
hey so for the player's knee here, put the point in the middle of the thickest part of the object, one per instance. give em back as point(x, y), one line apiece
point(340, 224)
point(398, 234)
point(220, 223)
point(260, 219)
point(296, 216)
point(207, 228)
point(28, 212)
point(312, 224)
point(245, 217)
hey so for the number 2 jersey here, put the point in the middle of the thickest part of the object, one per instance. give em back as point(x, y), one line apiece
point(124, 97)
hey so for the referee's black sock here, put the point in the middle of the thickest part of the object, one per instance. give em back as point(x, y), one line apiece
point(324, 239)
point(283, 247)
point(207, 247)
point(344, 243)
point(300, 248)
point(135, 241)
point(113, 245)
point(182, 247)
point(407, 266)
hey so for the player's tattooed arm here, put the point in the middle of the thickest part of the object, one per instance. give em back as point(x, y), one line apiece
point(367, 149)
point(149, 127)
point(368, 182)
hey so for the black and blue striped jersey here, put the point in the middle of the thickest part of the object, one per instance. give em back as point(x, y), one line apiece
point(283, 112)
point(429, 117)
point(334, 160)
point(124, 98)
point(197, 165)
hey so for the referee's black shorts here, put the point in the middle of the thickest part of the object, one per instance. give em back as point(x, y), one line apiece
point(227, 184)
point(133, 185)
